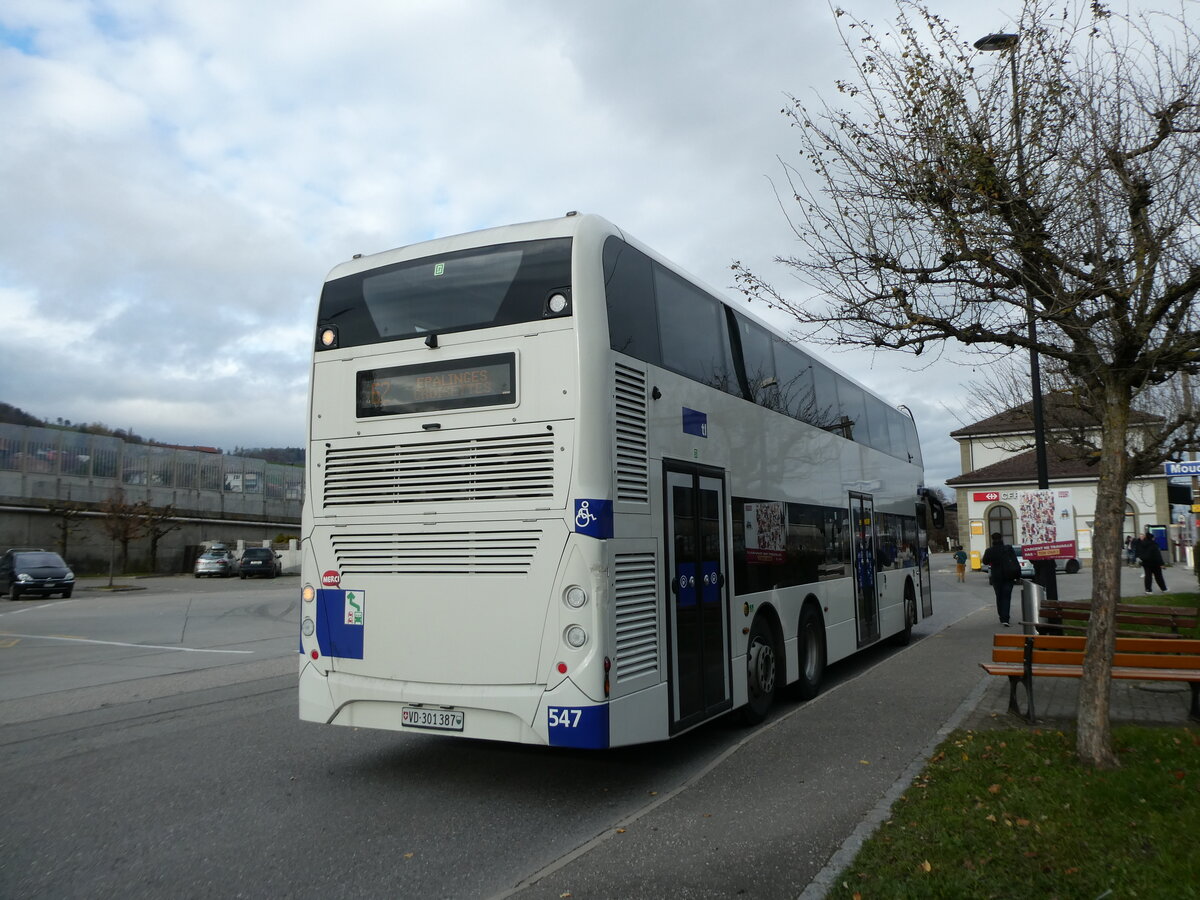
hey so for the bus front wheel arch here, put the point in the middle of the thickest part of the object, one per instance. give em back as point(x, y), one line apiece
point(810, 653)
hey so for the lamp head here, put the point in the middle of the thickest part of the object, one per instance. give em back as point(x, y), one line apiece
point(990, 42)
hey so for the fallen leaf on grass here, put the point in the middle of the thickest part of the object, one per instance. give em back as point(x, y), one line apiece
point(926, 866)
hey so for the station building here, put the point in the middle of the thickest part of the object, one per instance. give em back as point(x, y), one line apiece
point(999, 470)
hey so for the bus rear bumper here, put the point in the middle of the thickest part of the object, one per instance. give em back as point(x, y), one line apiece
point(525, 714)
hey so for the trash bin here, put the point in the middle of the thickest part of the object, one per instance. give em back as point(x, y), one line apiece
point(1032, 595)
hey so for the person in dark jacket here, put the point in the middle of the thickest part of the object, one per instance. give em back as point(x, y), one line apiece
point(994, 558)
point(1152, 562)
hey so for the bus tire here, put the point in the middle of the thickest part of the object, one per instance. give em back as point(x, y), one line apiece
point(762, 667)
point(1072, 567)
point(810, 649)
point(904, 638)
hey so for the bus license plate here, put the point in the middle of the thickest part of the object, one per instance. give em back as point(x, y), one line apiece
point(432, 719)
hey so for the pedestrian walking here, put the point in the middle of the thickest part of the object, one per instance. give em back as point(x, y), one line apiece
point(960, 563)
point(1152, 562)
point(1003, 572)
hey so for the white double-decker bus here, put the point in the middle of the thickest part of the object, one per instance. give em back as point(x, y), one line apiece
point(560, 493)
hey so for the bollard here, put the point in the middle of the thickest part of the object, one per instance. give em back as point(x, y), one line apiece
point(1032, 595)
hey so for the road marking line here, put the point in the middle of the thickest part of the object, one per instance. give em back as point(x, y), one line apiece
point(48, 637)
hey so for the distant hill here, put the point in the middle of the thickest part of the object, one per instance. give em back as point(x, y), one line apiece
point(11, 415)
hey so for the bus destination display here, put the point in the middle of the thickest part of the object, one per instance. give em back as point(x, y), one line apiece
point(453, 384)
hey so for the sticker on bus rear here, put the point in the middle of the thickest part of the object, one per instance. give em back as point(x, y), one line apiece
point(354, 607)
point(578, 726)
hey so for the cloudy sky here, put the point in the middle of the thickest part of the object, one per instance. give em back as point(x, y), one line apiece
point(178, 176)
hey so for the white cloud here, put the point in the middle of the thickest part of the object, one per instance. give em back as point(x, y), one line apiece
point(178, 177)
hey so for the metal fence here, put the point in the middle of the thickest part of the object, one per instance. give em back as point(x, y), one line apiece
point(54, 464)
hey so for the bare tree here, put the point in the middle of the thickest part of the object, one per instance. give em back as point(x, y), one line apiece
point(122, 522)
point(1045, 198)
point(68, 517)
point(157, 523)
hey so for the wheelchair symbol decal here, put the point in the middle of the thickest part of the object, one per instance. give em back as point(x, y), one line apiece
point(594, 518)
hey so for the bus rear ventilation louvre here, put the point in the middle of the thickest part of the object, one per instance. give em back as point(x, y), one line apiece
point(636, 623)
point(509, 467)
point(422, 551)
point(633, 472)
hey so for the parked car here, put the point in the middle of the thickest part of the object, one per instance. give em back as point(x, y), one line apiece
point(259, 561)
point(216, 562)
point(1069, 566)
point(1026, 567)
point(30, 571)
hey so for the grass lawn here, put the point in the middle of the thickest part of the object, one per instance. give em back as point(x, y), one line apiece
point(1012, 814)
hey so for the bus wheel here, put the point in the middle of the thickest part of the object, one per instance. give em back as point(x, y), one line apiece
point(1072, 566)
point(903, 638)
point(761, 660)
point(812, 654)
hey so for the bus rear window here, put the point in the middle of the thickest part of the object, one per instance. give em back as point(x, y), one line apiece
point(478, 288)
point(451, 384)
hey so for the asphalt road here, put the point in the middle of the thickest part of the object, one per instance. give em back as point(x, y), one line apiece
point(150, 746)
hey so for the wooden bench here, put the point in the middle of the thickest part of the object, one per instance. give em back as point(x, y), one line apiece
point(1023, 657)
point(1170, 620)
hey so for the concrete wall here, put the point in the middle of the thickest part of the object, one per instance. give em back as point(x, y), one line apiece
point(214, 497)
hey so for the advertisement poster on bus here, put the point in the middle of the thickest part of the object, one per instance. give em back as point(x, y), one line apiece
point(1045, 526)
point(766, 530)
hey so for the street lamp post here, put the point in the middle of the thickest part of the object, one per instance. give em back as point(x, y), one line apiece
point(1044, 569)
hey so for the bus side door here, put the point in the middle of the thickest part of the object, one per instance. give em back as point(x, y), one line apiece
point(866, 591)
point(697, 602)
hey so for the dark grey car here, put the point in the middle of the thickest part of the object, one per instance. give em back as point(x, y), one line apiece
point(259, 561)
point(35, 572)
